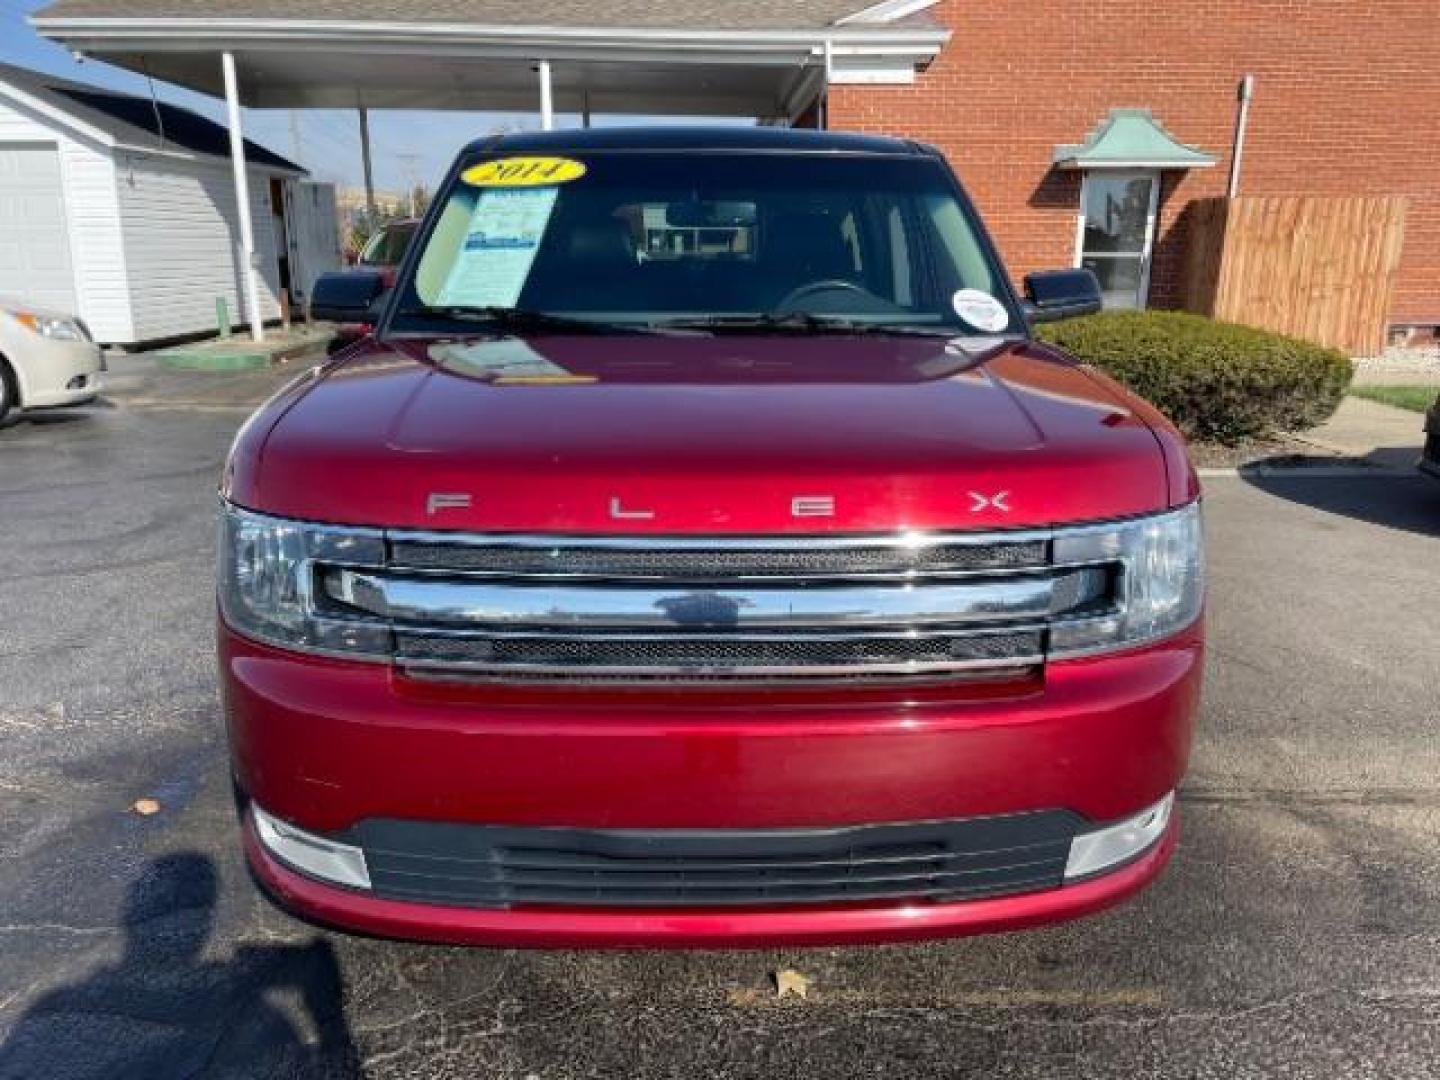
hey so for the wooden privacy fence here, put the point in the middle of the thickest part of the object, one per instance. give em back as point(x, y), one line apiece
point(1321, 269)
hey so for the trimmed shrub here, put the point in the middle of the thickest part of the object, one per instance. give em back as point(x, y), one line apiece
point(1215, 380)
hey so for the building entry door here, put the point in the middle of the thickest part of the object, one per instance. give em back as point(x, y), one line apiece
point(1116, 233)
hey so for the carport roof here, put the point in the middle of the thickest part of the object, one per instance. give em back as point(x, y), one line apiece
point(761, 58)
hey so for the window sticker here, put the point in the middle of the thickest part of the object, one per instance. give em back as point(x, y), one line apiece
point(981, 310)
point(499, 248)
point(515, 172)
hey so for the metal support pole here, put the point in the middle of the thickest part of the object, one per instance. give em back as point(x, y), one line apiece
point(547, 109)
point(365, 164)
point(585, 110)
point(295, 151)
point(242, 199)
point(822, 110)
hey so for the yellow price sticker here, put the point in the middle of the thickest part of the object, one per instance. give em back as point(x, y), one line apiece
point(524, 172)
point(544, 380)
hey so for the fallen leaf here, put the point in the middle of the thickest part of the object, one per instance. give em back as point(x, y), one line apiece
point(789, 981)
point(146, 807)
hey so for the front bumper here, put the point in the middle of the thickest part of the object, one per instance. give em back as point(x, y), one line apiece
point(56, 373)
point(636, 928)
point(328, 744)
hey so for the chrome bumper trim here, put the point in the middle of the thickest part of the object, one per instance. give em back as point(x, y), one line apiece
point(454, 601)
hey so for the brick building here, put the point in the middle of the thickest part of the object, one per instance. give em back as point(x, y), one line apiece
point(1343, 104)
point(1037, 105)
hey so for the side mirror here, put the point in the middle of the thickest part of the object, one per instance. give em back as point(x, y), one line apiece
point(350, 296)
point(1061, 294)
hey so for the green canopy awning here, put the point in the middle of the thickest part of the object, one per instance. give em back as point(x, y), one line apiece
point(1131, 139)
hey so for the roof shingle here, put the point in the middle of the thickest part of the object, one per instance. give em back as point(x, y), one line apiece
point(136, 121)
point(697, 14)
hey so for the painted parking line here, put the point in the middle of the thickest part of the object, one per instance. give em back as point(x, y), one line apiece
point(169, 405)
point(1018, 998)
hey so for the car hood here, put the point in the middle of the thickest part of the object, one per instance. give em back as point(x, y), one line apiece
point(701, 434)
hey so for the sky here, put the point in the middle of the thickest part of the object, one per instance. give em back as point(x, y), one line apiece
point(407, 147)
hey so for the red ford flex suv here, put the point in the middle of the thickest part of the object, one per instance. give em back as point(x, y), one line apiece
point(701, 551)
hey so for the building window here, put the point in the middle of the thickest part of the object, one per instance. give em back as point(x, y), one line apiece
point(1115, 234)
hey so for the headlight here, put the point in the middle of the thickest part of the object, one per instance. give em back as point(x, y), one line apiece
point(55, 329)
point(1161, 589)
point(266, 579)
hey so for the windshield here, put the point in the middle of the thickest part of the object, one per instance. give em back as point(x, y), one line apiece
point(387, 247)
point(709, 241)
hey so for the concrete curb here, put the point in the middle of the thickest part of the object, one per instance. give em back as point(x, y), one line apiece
point(1318, 472)
point(236, 356)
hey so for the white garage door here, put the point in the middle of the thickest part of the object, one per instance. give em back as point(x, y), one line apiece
point(34, 247)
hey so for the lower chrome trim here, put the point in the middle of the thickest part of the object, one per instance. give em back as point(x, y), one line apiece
point(690, 679)
point(705, 656)
point(732, 674)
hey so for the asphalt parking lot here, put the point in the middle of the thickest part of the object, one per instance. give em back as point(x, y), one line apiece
point(1297, 933)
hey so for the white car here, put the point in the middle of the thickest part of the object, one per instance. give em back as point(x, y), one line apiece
point(46, 358)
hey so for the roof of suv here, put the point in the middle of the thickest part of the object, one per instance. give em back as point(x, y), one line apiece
point(697, 137)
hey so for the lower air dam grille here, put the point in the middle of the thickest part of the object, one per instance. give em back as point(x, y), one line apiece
point(504, 867)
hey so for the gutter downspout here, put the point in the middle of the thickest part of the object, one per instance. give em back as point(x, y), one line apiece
point(1245, 92)
point(242, 198)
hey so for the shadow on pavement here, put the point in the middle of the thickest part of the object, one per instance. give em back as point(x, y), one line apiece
point(1408, 501)
point(162, 1010)
point(49, 417)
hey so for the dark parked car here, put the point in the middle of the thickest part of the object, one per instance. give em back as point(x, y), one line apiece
point(385, 250)
point(381, 255)
point(1430, 458)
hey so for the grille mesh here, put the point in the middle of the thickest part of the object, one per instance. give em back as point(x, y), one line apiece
point(619, 652)
point(702, 564)
point(501, 867)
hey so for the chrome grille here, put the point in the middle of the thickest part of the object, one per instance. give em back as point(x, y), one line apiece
point(765, 609)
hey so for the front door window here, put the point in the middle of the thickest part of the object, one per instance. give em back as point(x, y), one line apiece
point(1117, 231)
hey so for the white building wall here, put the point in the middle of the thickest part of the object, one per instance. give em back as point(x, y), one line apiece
point(92, 217)
point(182, 245)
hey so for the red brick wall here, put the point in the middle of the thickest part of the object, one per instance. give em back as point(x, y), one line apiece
point(1347, 102)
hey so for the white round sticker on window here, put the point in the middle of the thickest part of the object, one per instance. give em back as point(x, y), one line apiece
point(981, 310)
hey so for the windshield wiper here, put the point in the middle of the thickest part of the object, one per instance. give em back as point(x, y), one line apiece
point(801, 322)
point(521, 320)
